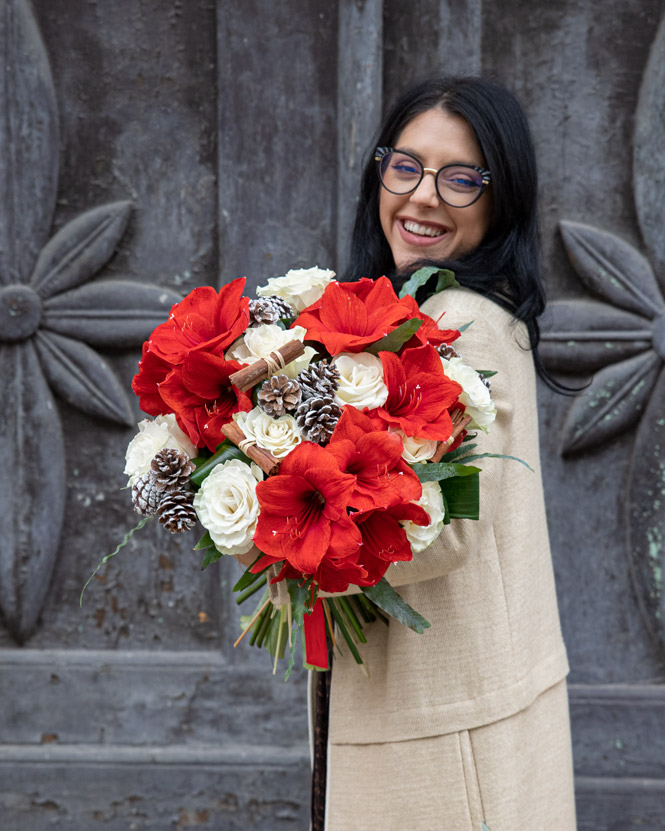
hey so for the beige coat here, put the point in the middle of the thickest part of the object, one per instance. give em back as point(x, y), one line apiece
point(486, 587)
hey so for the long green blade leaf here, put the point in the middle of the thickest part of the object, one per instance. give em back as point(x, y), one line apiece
point(462, 495)
point(386, 598)
point(394, 341)
point(475, 457)
point(226, 451)
point(248, 578)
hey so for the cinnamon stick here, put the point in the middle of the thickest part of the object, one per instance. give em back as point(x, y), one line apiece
point(265, 460)
point(250, 375)
point(460, 422)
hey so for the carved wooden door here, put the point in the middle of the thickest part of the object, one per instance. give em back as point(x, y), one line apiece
point(148, 147)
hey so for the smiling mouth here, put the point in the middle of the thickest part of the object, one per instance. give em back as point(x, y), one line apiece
point(422, 230)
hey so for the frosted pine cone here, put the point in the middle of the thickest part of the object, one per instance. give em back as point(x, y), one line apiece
point(176, 511)
point(485, 381)
point(170, 470)
point(446, 351)
point(269, 310)
point(319, 380)
point(279, 395)
point(317, 418)
point(145, 496)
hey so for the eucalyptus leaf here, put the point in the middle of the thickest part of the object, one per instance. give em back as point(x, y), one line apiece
point(462, 494)
point(386, 598)
point(225, 452)
point(396, 339)
point(205, 542)
point(464, 327)
point(210, 555)
point(442, 470)
point(419, 278)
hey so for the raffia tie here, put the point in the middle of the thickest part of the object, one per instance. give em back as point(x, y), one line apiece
point(274, 362)
point(245, 444)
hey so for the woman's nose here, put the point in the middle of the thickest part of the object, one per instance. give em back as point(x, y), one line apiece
point(425, 193)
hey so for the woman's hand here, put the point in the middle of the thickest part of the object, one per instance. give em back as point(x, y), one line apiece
point(247, 559)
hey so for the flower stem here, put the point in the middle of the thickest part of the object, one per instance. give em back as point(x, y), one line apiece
point(249, 625)
point(259, 584)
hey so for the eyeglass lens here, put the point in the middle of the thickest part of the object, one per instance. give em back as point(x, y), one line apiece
point(458, 185)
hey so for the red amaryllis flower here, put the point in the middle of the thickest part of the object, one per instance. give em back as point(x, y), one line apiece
point(152, 371)
point(419, 394)
point(374, 458)
point(202, 397)
point(204, 320)
point(350, 316)
point(299, 506)
point(384, 540)
point(429, 331)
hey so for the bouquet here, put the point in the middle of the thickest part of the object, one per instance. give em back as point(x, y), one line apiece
point(322, 426)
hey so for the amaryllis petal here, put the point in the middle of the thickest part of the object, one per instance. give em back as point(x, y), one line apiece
point(117, 313)
point(80, 249)
point(429, 331)
point(33, 500)
point(29, 141)
point(613, 269)
point(152, 371)
point(588, 335)
point(612, 403)
point(83, 378)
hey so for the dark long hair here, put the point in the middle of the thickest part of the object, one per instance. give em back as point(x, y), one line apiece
point(506, 265)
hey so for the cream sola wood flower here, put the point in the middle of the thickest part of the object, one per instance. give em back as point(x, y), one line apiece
point(227, 506)
point(260, 341)
point(299, 287)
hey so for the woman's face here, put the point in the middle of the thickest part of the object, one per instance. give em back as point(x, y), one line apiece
point(418, 225)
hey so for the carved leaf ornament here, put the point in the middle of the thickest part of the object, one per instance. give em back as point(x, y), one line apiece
point(49, 320)
point(620, 337)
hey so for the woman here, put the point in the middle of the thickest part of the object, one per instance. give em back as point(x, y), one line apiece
point(468, 723)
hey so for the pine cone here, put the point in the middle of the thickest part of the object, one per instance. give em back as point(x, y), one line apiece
point(176, 511)
point(486, 381)
point(446, 351)
point(170, 470)
point(269, 310)
point(317, 418)
point(319, 380)
point(145, 496)
point(278, 395)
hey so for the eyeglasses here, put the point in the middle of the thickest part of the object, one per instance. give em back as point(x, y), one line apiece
point(458, 185)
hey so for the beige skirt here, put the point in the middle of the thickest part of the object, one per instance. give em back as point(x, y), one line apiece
point(513, 775)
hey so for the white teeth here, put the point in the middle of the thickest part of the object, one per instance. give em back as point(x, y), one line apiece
point(422, 230)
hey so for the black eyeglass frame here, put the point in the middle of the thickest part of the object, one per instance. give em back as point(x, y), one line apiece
point(381, 152)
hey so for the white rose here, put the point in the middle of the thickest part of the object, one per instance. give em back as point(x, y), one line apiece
point(260, 341)
point(300, 287)
point(422, 536)
point(278, 435)
point(416, 450)
point(227, 506)
point(360, 380)
point(475, 396)
point(155, 435)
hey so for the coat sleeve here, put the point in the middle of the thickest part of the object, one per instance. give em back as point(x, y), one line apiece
point(489, 344)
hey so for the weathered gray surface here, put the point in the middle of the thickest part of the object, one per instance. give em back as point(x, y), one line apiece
point(236, 131)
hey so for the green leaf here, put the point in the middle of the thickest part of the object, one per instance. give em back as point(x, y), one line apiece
point(210, 555)
point(486, 373)
point(394, 341)
point(204, 542)
point(459, 451)
point(120, 545)
point(248, 578)
point(442, 470)
point(464, 327)
point(225, 452)
point(341, 625)
point(298, 595)
point(386, 598)
point(462, 496)
point(419, 278)
point(484, 827)
point(476, 456)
